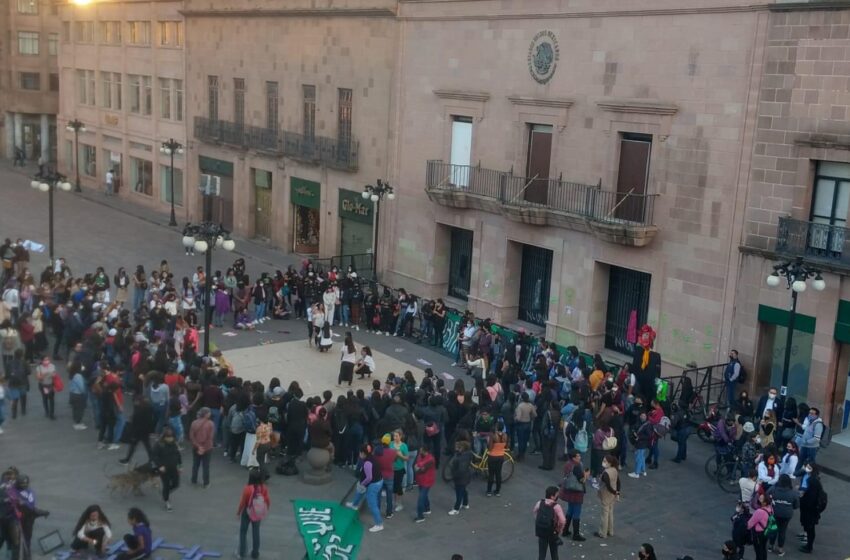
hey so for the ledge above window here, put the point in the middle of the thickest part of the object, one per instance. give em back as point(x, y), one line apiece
point(461, 95)
point(644, 106)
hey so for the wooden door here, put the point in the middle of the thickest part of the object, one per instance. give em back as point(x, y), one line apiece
point(263, 213)
point(633, 176)
point(539, 160)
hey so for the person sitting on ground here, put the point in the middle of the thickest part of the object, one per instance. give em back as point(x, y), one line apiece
point(93, 531)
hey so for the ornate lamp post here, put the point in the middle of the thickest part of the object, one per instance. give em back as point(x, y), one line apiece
point(169, 148)
point(76, 126)
point(376, 194)
point(203, 238)
point(49, 183)
point(796, 274)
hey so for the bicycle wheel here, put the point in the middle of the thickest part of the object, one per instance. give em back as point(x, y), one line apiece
point(727, 477)
point(507, 468)
point(711, 468)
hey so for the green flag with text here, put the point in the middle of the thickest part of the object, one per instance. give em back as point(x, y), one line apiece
point(330, 531)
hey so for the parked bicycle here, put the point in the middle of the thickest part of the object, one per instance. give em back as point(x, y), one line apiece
point(479, 466)
point(725, 471)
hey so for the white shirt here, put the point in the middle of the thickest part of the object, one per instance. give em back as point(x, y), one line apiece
point(110, 177)
point(747, 486)
point(788, 465)
point(11, 298)
point(349, 357)
point(769, 405)
point(369, 362)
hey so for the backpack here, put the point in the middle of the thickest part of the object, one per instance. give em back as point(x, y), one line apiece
point(274, 415)
point(742, 374)
point(581, 440)
point(257, 508)
point(663, 427)
point(237, 424)
point(825, 435)
point(772, 527)
point(544, 522)
point(823, 501)
point(9, 344)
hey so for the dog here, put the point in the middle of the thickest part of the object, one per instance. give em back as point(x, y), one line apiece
point(134, 479)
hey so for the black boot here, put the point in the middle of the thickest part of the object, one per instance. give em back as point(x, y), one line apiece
point(566, 531)
point(576, 535)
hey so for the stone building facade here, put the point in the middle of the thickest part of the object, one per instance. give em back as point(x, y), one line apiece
point(122, 73)
point(290, 108)
point(29, 81)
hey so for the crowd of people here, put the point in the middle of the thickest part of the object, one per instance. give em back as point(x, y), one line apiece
point(137, 335)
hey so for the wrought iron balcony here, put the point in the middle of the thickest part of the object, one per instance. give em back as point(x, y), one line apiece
point(321, 150)
point(318, 149)
point(814, 241)
point(623, 218)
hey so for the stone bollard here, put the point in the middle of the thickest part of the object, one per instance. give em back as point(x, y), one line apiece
point(317, 471)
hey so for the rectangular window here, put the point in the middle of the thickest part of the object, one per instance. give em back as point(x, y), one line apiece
point(830, 205)
point(139, 33)
point(27, 6)
point(538, 163)
point(85, 87)
point(53, 44)
point(212, 98)
point(117, 91)
point(165, 191)
point(30, 81)
point(28, 42)
point(344, 121)
point(88, 160)
point(66, 31)
point(239, 101)
point(147, 95)
point(461, 151)
point(54, 82)
point(534, 283)
point(633, 176)
point(110, 32)
point(106, 90)
point(628, 295)
point(178, 99)
point(272, 105)
point(309, 111)
point(171, 99)
point(170, 33)
point(460, 263)
point(84, 32)
point(165, 98)
point(141, 176)
point(134, 93)
point(90, 90)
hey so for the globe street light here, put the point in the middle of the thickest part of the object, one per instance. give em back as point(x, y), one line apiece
point(796, 275)
point(76, 126)
point(376, 194)
point(169, 148)
point(49, 183)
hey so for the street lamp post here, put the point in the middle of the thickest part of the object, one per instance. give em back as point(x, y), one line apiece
point(169, 148)
point(796, 274)
point(204, 237)
point(48, 183)
point(376, 194)
point(76, 126)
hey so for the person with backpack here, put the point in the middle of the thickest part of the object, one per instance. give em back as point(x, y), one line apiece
point(253, 507)
point(680, 425)
point(572, 491)
point(549, 521)
point(17, 378)
point(785, 501)
point(812, 438)
point(642, 441)
point(524, 416)
point(496, 447)
point(741, 535)
point(548, 435)
point(762, 524)
point(730, 376)
point(813, 503)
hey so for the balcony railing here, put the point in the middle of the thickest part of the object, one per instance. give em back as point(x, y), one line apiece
point(823, 242)
point(510, 191)
point(318, 149)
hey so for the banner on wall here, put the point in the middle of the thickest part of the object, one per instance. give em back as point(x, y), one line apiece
point(330, 531)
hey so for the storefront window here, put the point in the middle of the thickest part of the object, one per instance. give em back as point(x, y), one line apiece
point(141, 172)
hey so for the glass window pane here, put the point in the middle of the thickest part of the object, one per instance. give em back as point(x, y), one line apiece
point(822, 203)
point(834, 169)
point(842, 201)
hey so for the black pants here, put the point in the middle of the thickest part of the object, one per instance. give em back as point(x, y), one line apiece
point(810, 536)
point(10, 534)
point(548, 450)
point(236, 442)
point(346, 373)
point(23, 399)
point(363, 370)
point(170, 481)
point(782, 529)
point(78, 407)
point(97, 534)
point(106, 434)
point(201, 462)
point(760, 545)
point(136, 441)
point(48, 399)
point(494, 473)
point(550, 543)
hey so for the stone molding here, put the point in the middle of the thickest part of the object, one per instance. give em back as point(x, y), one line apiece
point(478, 96)
point(541, 102)
point(642, 106)
point(332, 12)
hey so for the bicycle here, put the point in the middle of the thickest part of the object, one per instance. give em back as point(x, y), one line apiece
point(725, 471)
point(479, 466)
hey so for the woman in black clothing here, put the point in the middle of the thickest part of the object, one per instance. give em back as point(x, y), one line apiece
point(141, 426)
point(811, 503)
point(168, 460)
point(92, 530)
point(744, 407)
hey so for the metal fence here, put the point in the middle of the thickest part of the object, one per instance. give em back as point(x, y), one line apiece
point(815, 241)
point(361, 263)
point(580, 199)
point(319, 149)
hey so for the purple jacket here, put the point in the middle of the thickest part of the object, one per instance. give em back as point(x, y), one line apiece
point(222, 302)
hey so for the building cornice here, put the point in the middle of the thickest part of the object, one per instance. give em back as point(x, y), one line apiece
point(479, 96)
point(327, 13)
point(541, 102)
point(813, 5)
point(643, 106)
point(825, 143)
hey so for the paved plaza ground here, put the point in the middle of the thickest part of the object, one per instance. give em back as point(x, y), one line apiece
point(676, 508)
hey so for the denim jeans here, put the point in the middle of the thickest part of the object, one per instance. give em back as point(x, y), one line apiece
point(138, 298)
point(159, 415)
point(461, 496)
point(243, 533)
point(523, 432)
point(640, 461)
point(345, 314)
point(574, 511)
point(654, 452)
point(94, 401)
point(423, 504)
point(807, 455)
point(373, 498)
point(730, 393)
point(176, 424)
point(201, 462)
point(259, 310)
point(215, 416)
point(408, 468)
point(120, 422)
point(388, 488)
point(682, 442)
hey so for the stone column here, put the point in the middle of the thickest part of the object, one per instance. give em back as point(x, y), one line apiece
point(19, 131)
point(45, 138)
point(10, 135)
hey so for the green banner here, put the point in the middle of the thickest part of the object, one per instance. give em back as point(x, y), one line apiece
point(305, 193)
point(329, 530)
point(353, 206)
point(215, 166)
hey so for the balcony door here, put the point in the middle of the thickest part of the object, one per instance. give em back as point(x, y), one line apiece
point(632, 176)
point(830, 204)
point(539, 161)
point(461, 151)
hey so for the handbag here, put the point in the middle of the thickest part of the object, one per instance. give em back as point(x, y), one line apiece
point(610, 442)
point(432, 429)
point(573, 484)
point(58, 384)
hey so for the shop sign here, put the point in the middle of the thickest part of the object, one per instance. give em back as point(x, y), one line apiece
point(214, 166)
point(305, 193)
point(352, 206)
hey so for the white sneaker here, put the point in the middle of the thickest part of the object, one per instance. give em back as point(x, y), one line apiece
point(350, 505)
point(1, 431)
point(83, 427)
point(387, 333)
point(399, 507)
point(376, 528)
point(634, 475)
point(644, 474)
point(113, 447)
point(357, 328)
point(453, 512)
point(466, 506)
